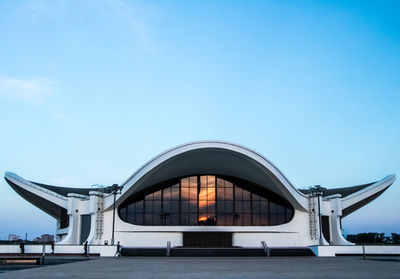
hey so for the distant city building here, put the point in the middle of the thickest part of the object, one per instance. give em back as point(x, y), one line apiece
point(13, 237)
point(46, 238)
point(202, 194)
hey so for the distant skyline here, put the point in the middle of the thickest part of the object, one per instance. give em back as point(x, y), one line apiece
point(91, 90)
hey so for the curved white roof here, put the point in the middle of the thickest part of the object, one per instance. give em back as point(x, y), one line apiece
point(212, 157)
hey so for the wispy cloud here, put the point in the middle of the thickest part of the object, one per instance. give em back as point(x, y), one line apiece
point(34, 9)
point(33, 91)
point(59, 115)
point(5, 122)
point(134, 18)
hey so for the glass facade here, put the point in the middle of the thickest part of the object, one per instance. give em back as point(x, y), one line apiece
point(206, 200)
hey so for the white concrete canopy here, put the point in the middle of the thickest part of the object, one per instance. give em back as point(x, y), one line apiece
point(212, 157)
point(87, 213)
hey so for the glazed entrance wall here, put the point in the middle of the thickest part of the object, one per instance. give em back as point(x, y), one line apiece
point(206, 200)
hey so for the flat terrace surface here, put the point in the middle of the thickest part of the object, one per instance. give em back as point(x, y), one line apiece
point(304, 267)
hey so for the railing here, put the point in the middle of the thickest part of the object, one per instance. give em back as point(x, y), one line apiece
point(79, 196)
point(168, 248)
point(28, 183)
point(267, 250)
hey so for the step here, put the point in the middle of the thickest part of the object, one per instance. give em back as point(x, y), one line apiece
point(19, 260)
point(216, 252)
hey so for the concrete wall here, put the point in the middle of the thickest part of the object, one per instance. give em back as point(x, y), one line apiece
point(294, 233)
point(104, 251)
point(332, 251)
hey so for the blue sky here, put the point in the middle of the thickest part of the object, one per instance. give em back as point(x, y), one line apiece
point(91, 90)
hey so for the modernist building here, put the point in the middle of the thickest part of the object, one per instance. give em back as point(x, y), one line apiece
point(206, 193)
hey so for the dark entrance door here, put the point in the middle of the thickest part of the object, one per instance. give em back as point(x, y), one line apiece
point(207, 239)
point(85, 227)
point(326, 228)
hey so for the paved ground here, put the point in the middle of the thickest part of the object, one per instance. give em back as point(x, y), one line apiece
point(307, 267)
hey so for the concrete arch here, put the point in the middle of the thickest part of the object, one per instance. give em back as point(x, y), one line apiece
point(212, 157)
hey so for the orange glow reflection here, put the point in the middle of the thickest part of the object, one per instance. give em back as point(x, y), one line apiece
point(202, 219)
point(207, 191)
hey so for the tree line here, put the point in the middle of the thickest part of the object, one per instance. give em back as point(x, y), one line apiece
point(374, 238)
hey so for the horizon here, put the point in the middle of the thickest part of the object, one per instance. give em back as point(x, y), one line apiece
point(90, 91)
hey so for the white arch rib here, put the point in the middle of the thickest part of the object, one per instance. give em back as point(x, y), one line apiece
point(298, 199)
point(368, 191)
point(37, 190)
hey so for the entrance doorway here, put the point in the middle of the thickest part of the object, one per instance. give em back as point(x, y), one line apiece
point(326, 231)
point(85, 227)
point(207, 239)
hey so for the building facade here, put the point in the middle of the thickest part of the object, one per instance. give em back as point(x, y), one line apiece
point(206, 193)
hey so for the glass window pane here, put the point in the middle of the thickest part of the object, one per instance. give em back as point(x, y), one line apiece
point(157, 195)
point(256, 206)
point(289, 213)
point(229, 207)
point(220, 193)
point(167, 206)
point(193, 206)
point(193, 181)
point(157, 219)
point(221, 206)
point(256, 219)
point(167, 219)
point(139, 219)
point(211, 188)
point(148, 219)
point(256, 197)
point(281, 219)
point(184, 193)
point(246, 207)
point(211, 208)
point(273, 207)
point(156, 207)
point(264, 207)
point(220, 183)
point(264, 220)
point(203, 188)
point(131, 208)
point(184, 219)
point(228, 193)
point(193, 219)
point(175, 192)
point(246, 219)
point(139, 207)
point(220, 219)
point(238, 193)
point(193, 193)
point(238, 220)
point(175, 206)
point(183, 203)
point(202, 208)
point(203, 181)
point(184, 206)
point(167, 193)
point(174, 219)
point(229, 219)
point(148, 206)
point(246, 195)
point(185, 183)
point(130, 218)
point(273, 219)
point(239, 206)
